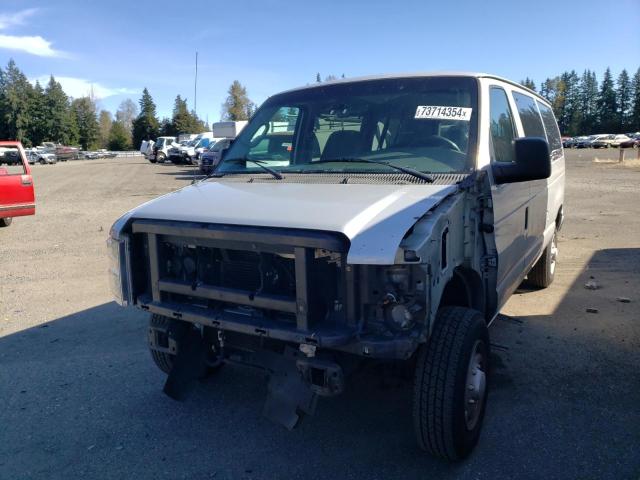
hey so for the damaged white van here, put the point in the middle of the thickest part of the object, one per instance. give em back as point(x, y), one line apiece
point(377, 219)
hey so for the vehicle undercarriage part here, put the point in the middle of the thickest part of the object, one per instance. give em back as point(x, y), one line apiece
point(190, 362)
point(295, 382)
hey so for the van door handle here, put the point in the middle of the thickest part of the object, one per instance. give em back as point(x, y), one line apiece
point(26, 180)
point(526, 218)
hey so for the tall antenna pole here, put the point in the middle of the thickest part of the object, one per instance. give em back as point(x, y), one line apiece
point(195, 88)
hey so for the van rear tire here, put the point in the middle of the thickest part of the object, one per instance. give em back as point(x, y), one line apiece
point(543, 272)
point(5, 222)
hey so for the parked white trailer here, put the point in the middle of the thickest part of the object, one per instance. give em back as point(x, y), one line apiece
point(228, 129)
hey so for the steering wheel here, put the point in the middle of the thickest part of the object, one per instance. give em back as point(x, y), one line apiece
point(437, 140)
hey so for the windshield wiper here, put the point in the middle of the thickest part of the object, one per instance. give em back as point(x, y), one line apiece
point(240, 160)
point(409, 171)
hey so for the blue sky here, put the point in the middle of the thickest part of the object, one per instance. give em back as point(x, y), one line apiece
point(120, 47)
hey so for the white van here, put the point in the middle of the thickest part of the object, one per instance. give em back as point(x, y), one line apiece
point(386, 218)
point(161, 149)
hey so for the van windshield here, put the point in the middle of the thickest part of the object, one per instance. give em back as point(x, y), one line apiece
point(428, 124)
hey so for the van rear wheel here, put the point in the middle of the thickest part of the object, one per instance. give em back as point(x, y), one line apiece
point(5, 222)
point(543, 272)
point(450, 389)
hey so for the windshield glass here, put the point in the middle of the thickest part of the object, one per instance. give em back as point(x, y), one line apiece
point(428, 124)
point(219, 145)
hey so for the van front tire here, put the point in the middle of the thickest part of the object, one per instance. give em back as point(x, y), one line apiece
point(450, 389)
point(161, 325)
point(5, 222)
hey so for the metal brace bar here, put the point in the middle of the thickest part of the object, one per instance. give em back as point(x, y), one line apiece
point(303, 260)
point(154, 274)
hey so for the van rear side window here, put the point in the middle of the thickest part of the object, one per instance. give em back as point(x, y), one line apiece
point(551, 127)
point(529, 115)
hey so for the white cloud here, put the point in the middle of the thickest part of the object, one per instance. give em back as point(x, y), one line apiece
point(33, 44)
point(18, 18)
point(80, 87)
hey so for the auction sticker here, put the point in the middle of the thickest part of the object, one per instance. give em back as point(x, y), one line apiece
point(434, 112)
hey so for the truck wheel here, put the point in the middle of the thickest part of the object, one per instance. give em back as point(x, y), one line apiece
point(160, 158)
point(5, 222)
point(543, 272)
point(450, 388)
point(159, 327)
point(163, 360)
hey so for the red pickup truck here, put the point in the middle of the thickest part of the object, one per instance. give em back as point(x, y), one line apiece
point(17, 197)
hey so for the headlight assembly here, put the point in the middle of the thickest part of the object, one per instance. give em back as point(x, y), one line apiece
point(119, 266)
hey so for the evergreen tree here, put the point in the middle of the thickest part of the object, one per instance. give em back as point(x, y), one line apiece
point(105, 123)
point(180, 118)
point(119, 137)
point(84, 110)
point(145, 126)
point(588, 102)
point(635, 102)
point(61, 125)
point(528, 82)
point(38, 125)
point(16, 94)
point(237, 106)
point(318, 79)
point(607, 108)
point(166, 128)
point(623, 100)
point(566, 102)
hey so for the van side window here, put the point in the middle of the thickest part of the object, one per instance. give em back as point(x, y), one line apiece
point(551, 127)
point(529, 115)
point(502, 129)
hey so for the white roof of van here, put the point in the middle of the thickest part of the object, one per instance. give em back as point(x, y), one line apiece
point(445, 73)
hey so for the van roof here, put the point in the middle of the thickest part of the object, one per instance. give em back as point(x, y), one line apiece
point(419, 74)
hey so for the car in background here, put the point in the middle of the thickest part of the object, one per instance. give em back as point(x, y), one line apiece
point(602, 141)
point(39, 156)
point(17, 197)
point(568, 142)
point(64, 153)
point(189, 153)
point(161, 149)
point(633, 142)
point(175, 154)
point(210, 158)
point(618, 139)
point(9, 156)
point(61, 152)
point(581, 142)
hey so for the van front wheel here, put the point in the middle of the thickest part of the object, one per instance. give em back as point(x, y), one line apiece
point(450, 389)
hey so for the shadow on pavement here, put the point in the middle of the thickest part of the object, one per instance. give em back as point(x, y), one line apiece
point(81, 397)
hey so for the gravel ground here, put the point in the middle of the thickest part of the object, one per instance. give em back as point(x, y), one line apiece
point(81, 399)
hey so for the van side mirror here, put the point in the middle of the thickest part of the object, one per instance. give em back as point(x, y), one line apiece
point(533, 162)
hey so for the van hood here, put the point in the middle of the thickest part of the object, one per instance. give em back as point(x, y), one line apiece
point(374, 218)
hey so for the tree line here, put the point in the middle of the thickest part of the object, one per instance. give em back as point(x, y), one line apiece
point(34, 114)
point(583, 106)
